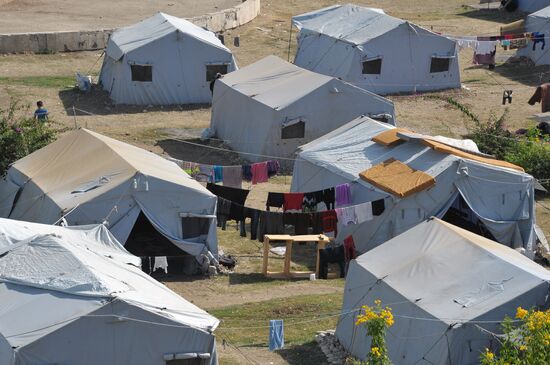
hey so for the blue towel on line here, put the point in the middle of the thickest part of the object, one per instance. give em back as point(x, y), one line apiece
point(276, 334)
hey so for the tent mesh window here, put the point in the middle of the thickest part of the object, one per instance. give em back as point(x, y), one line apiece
point(212, 70)
point(439, 64)
point(184, 362)
point(194, 227)
point(142, 73)
point(372, 67)
point(296, 130)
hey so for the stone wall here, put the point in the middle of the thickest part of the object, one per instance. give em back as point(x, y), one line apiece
point(52, 42)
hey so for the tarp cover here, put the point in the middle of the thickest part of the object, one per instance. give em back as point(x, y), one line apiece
point(52, 278)
point(90, 179)
point(397, 178)
point(441, 282)
point(251, 106)
point(338, 40)
point(177, 54)
point(499, 197)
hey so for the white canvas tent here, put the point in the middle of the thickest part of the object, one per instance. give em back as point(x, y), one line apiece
point(271, 107)
point(446, 286)
point(163, 60)
point(487, 194)
point(537, 22)
point(530, 6)
point(75, 296)
point(89, 179)
point(375, 51)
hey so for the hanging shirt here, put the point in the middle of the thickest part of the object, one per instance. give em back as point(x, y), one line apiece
point(349, 248)
point(343, 195)
point(363, 212)
point(273, 168)
point(309, 203)
point(276, 200)
point(329, 197)
point(233, 176)
point(346, 216)
point(484, 53)
point(542, 95)
point(247, 172)
point(293, 201)
point(330, 223)
point(259, 173)
point(218, 174)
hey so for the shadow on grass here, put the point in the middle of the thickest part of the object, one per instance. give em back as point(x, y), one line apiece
point(254, 278)
point(98, 102)
point(523, 73)
point(305, 354)
point(194, 150)
point(493, 15)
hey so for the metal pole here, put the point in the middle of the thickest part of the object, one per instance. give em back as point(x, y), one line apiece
point(74, 116)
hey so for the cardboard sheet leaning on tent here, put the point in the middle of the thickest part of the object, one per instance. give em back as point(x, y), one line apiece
point(481, 192)
point(70, 293)
point(88, 178)
point(442, 282)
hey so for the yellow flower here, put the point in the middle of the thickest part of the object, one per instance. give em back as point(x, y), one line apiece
point(377, 302)
point(375, 351)
point(489, 355)
point(521, 313)
point(522, 347)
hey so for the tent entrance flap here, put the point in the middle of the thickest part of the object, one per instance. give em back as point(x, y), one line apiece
point(397, 178)
point(145, 240)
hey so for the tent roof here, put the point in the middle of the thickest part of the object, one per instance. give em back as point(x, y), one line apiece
point(58, 265)
point(431, 265)
point(127, 39)
point(270, 80)
point(349, 150)
point(83, 164)
point(352, 23)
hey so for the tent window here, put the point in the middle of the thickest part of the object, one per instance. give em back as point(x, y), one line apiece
point(195, 227)
point(295, 130)
point(142, 73)
point(440, 64)
point(372, 67)
point(212, 70)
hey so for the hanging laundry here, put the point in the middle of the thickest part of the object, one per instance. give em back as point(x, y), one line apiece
point(300, 221)
point(363, 212)
point(349, 249)
point(222, 212)
point(346, 216)
point(317, 223)
point(254, 215)
point(309, 203)
point(293, 201)
point(275, 200)
point(237, 196)
point(247, 172)
point(538, 37)
point(218, 174)
point(465, 41)
point(343, 195)
point(273, 168)
point(505, 44)
point(206, 173)
point(259, 173)
point(270, 223)
point(276, 334)
point(484, 53)
point(232, 176)
point(507, 96)
point(329, 197)
point(330, 223)
point(542, 96)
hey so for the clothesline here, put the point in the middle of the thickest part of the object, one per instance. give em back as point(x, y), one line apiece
point(231, 206)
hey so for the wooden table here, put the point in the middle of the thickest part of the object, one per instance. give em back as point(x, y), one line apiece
point(319, 239)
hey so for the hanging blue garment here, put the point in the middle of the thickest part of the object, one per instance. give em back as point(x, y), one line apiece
point(218, 174)
point(276, 334)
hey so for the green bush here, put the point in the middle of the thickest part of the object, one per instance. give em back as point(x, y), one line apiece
point(21, 135)
point(533, 154)
point(492, 137)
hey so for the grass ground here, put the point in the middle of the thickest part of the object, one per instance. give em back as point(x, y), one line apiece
point(245, 298)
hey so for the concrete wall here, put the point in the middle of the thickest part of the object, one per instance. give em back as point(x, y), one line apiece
point(52, 42)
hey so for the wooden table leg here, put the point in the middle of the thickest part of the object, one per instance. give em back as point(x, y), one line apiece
point(288, 255)
point(266, 255)
point(320, 246)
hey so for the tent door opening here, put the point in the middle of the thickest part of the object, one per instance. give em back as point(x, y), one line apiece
point(145, 240)
point(462, 216)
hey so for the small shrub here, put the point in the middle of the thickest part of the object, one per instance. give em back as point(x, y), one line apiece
point(20, 135)
point(525, 344)
point(533, 154)
point(376, 320)
point(492, 137)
